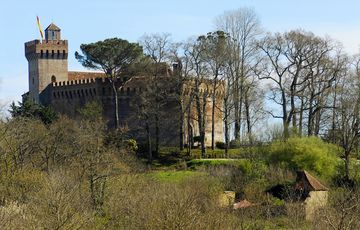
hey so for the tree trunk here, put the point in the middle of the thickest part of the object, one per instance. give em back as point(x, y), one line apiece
point(203, 125)
point(285, 120)
point(226, 124)
point(237, 121)
point(116, 102)
point(347, 165)
point(157, 135)
point(240, 114)
point(301, 113)
point(190, 131)
point(213, 122)
point(181, 131)
point(148, 135)
point(317, 122)
point(201, 109)
point(248, 119)
point(333, 119)
point(311, 117)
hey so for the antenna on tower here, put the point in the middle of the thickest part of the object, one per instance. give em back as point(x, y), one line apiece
point(40, 28)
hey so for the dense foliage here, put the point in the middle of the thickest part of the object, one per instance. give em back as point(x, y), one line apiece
point(306, 153)
point(30, 110)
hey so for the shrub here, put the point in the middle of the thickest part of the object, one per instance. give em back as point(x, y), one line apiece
point(197, 139)
point(220, 145)
point(235, 144)
point(132, 145)
point(308, 153)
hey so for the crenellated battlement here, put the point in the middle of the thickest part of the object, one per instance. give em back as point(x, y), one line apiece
point(75, 82)
point(102, 87)
point(46, 42)
point(48, 49)
point(219, 93)
point(66, 90)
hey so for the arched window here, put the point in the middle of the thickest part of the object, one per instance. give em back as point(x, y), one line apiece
point(53, 78)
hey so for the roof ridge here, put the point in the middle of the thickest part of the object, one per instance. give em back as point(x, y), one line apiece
point(314, 183)
point(52, 26)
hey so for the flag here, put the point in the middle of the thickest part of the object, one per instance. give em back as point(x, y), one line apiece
point(40, 28)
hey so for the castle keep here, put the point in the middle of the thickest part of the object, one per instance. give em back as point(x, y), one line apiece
point(51, 84)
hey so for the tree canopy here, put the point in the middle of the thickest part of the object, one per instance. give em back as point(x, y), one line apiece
point(111, 55)
point(30, 110)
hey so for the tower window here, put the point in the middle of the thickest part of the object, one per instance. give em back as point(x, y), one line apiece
point(53, 78)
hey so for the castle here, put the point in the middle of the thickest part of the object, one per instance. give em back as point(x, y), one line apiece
point(51, 84)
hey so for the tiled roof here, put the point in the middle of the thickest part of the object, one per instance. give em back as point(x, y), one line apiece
point(312, 182)
point(74, 75)
point(52, 26)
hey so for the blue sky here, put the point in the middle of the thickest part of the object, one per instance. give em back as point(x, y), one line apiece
point(84, 21)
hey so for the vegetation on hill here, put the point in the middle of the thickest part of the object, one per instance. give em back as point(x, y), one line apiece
point(58, 173)
point(73, 174)
point(306, 153)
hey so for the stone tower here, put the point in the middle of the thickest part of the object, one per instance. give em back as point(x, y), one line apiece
point(47, 63)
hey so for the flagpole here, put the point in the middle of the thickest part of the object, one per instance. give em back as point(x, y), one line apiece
point(40, 28)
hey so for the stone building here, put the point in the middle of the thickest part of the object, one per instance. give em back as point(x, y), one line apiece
point(51, 84)
point(315, 195)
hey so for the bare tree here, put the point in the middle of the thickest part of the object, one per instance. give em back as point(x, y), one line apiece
point(157, 47)
point(215, 56)
point(294, 61)
point(198, 86)
point(243, 27)
point(347, 121)
point(181, 75)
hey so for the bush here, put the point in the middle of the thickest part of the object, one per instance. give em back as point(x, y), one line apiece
point(220, 145)
point(197, 139)
point(235, 144)
point(132, 145)
point(307, 153)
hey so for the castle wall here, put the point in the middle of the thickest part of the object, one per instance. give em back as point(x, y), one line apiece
point(33, 79)
point(204, 89)
point(69, 96)
point(218, 125)
point(313, 202)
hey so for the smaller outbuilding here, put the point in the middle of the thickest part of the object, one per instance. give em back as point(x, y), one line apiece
point(226, 199)
point(313, 193)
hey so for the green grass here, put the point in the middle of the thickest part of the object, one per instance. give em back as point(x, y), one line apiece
point(175, 176)
point(243, 164)
point(242, 152)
